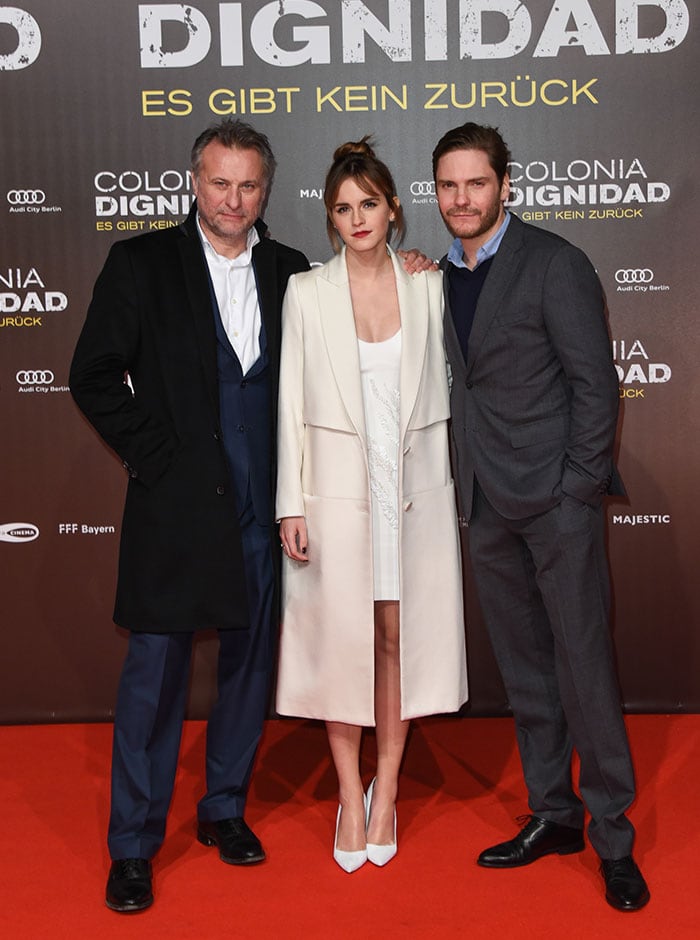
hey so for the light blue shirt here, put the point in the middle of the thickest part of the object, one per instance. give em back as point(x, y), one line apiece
point(456, 253)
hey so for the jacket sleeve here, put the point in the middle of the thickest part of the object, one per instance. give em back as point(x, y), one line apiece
point(574, 312)
point(290, 416)
point(107, 348)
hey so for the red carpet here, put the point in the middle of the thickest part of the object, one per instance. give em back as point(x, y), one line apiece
point(461, 791)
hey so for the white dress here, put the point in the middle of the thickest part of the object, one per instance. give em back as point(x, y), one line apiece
point(380, 366)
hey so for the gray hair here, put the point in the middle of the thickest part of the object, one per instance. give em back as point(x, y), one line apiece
point(235, 134)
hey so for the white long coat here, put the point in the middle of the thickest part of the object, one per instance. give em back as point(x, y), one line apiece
point(326, 666)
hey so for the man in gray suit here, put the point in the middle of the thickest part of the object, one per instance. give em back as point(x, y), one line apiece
point(534, 410)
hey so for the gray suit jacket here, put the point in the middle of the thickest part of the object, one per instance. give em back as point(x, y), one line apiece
point(534, 408)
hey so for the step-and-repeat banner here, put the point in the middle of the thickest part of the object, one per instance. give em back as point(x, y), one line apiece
point(99, 105)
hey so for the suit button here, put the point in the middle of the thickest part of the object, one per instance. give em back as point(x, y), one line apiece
point(220, 490)
point(407, 506)
point(406, 450)
point(470, 385)
point(216, 436)
point(130, 470)
point(244, 383)
point(240, 428)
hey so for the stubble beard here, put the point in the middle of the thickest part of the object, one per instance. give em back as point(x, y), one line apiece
point(228, 232)
point(488, 220)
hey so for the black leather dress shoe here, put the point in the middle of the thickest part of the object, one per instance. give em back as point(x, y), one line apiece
point(129, 886)
point(625, 887)
point(537, 838)
point(238, 844)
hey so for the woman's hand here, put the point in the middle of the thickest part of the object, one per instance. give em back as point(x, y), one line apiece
point(293, 537)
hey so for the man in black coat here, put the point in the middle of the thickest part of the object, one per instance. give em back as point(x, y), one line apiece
point(534, 406)
point(190, 316)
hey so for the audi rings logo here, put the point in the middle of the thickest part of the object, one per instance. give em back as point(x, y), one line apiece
point(35, 377)
point(424, 188)
point(634, 275)
point(26, 197)
point(18, 532)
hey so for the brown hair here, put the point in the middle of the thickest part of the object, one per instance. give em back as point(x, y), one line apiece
point(356, 160)
point(472, 136)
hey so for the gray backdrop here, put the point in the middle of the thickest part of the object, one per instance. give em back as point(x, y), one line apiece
point(99, 105)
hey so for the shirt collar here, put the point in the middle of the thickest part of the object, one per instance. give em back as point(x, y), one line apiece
point(456, 253)
point(240, 261)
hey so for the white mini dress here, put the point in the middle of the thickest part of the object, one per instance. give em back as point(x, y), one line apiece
point(380, 368)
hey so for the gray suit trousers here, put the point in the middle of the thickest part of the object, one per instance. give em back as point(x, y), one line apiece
point(544, 591)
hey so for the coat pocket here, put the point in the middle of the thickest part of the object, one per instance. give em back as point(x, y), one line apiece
point(550, 428)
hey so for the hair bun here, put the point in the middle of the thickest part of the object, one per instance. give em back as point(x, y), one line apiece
point(352, 147)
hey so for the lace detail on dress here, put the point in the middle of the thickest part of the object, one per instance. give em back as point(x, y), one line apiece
point(383, 465)
point(380, 370)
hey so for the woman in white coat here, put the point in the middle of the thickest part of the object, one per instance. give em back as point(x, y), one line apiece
point(372, 621)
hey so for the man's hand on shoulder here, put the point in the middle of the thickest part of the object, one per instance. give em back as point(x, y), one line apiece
point(414, 261)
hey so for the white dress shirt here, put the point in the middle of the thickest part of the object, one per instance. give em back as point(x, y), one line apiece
point(237, 296)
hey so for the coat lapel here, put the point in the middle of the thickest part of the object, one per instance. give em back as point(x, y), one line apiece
point(338, 325)
point(198, 289)
point(413, 304)
point(267, 281)
point(454, 350)
point(503, 269)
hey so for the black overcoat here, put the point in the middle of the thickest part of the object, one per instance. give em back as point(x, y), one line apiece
point(151, 317)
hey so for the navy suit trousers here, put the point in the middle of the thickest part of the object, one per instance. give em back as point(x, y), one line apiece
point(151, 707)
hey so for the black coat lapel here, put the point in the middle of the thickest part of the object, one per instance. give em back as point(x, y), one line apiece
point(265, 267)
point(194, 268)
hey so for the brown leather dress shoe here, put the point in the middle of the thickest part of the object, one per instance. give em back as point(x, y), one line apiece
point(625, 887)
point(129, 886)
point(238, 844)
point(538, 837)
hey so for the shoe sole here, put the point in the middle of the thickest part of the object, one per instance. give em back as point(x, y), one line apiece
point(564, 850)
point(628, 908)
point(253, 860)
point(129, 908)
